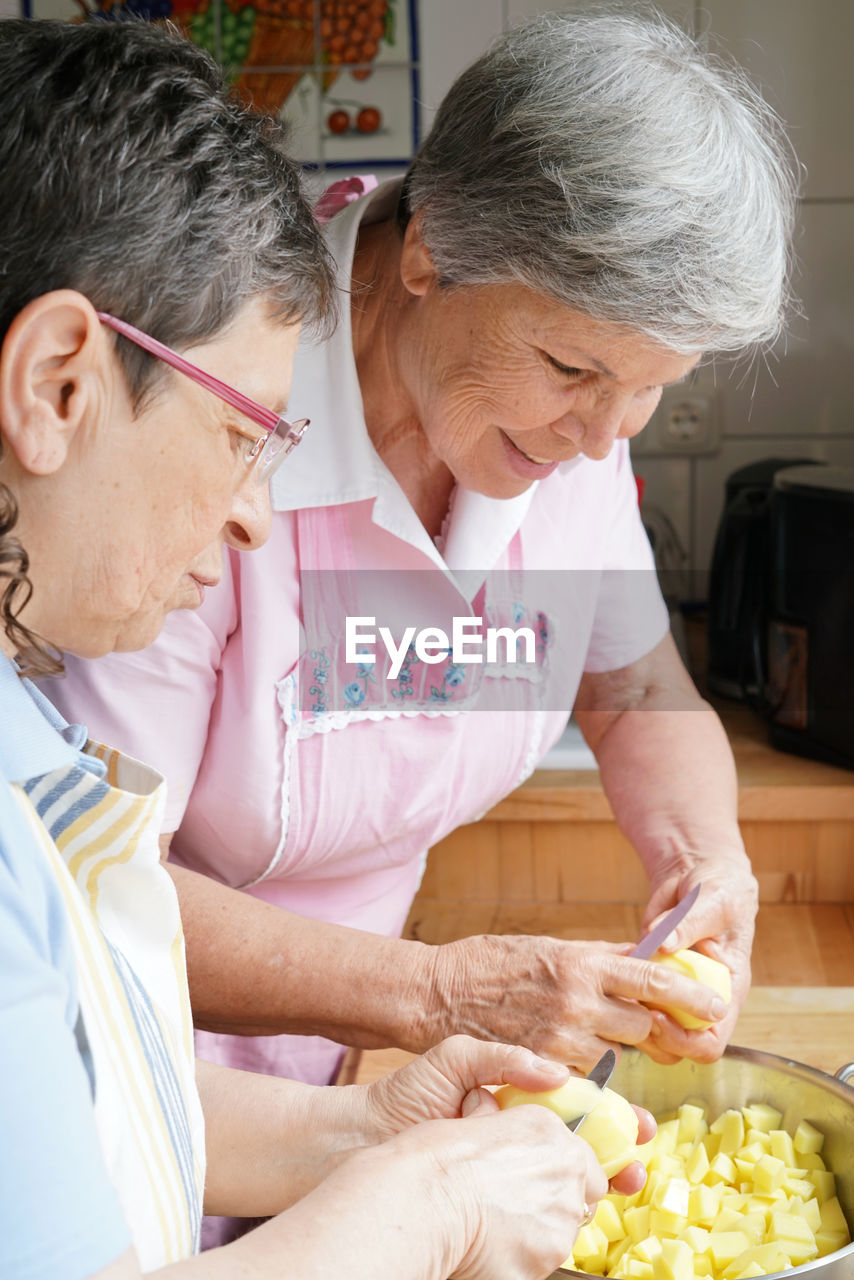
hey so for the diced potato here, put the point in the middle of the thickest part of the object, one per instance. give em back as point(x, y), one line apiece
point(636, 1221)
point(769, 1173)
point(793, 1235)
point(704, 1203)
point(753, 1150)
point(832, 1217)
point(752, 1269)
point(761, 1116)
point(712, 1142)
point(783, 1147)
point(692, 1122)
point(769, 1257)
point(801, 1187)
point(697, 1238)
point(663, 1222)
point(830, 1241)
point(730, 1127)
point(725, 1246)
point(639, 1270)
point(608, 1220)
point(697, 1164)
point(710, 1213)
point(648, 1249)
point(752, 1224)
point(590, 1248)
point(672, 1196)
point(615, 1253)
point(675, 1262)
point(808, 1138)
point(721, 1169)
point(825, 1184)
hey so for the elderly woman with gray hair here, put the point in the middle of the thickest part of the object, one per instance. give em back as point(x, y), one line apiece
point(600, 203)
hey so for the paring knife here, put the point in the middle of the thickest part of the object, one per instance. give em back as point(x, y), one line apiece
point(600, 1075)
point(649, 945)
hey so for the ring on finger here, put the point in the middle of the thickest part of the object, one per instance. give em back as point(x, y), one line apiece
point(589, 1214)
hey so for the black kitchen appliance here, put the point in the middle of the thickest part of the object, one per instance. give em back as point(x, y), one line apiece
point(740, 583)
point(809, 690)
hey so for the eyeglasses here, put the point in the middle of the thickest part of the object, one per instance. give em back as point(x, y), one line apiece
point(270, 451)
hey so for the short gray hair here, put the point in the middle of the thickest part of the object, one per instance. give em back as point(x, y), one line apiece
point(130, 174)
point(607, 161)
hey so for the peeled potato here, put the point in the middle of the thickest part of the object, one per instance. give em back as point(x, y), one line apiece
point(693, 964)
point(610, 1126)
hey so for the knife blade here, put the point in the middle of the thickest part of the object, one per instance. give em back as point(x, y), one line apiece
point(649, 945)
point(600, 1075)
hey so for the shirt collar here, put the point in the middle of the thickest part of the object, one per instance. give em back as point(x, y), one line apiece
point(335, 462)
point(35, 738)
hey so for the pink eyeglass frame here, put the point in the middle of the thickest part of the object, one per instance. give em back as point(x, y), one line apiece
point(287, 434)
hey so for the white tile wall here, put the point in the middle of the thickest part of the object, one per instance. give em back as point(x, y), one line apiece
point(452, 33)
point(807, 386)
point(800, 53)
point(801, 402)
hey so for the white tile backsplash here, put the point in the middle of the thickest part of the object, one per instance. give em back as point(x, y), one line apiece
point(806, 387)
point(452, 33)
point(800, 53)
point(667, 488)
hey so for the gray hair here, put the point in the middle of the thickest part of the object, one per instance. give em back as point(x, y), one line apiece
point(607, 161)
point(130, 175)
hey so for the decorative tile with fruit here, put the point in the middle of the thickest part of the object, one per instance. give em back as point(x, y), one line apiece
point(344, 73)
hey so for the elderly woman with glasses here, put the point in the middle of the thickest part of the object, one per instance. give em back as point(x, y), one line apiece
point(138, 200)
point(599, 205)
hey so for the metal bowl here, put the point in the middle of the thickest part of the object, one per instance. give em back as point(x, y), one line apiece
point(746, 1075)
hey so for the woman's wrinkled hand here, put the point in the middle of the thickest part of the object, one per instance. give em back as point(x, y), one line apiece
point(449, 1081)
point(498, 1193)
point(565, 1000)
point(720, 924)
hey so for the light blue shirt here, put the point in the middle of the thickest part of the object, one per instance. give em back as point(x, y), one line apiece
point(60, 1217)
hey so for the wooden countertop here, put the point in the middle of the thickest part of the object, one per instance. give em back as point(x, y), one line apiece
point(813, 1025)
point(771, 783)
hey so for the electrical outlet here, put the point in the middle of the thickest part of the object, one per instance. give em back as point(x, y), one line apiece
point(685, 423)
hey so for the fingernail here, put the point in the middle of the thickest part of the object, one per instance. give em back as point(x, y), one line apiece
point(718, 1009)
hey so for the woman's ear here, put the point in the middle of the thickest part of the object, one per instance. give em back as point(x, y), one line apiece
point(49, 366)
point(416, 265)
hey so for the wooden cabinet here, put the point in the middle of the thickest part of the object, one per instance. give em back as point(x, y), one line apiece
point(549, 859)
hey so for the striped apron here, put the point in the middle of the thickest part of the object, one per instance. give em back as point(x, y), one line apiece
point(100, 835)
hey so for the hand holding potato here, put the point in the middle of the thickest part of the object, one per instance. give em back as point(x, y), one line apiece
point(449, 1081)
point(565, 1000)
point(719, 925)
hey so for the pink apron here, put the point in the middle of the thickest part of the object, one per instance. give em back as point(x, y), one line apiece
point(376, 770)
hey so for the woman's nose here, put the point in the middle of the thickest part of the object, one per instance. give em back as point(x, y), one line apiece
point(248, 525)
point(596, 425)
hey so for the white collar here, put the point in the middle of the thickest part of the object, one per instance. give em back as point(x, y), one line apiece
point(335, 461)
